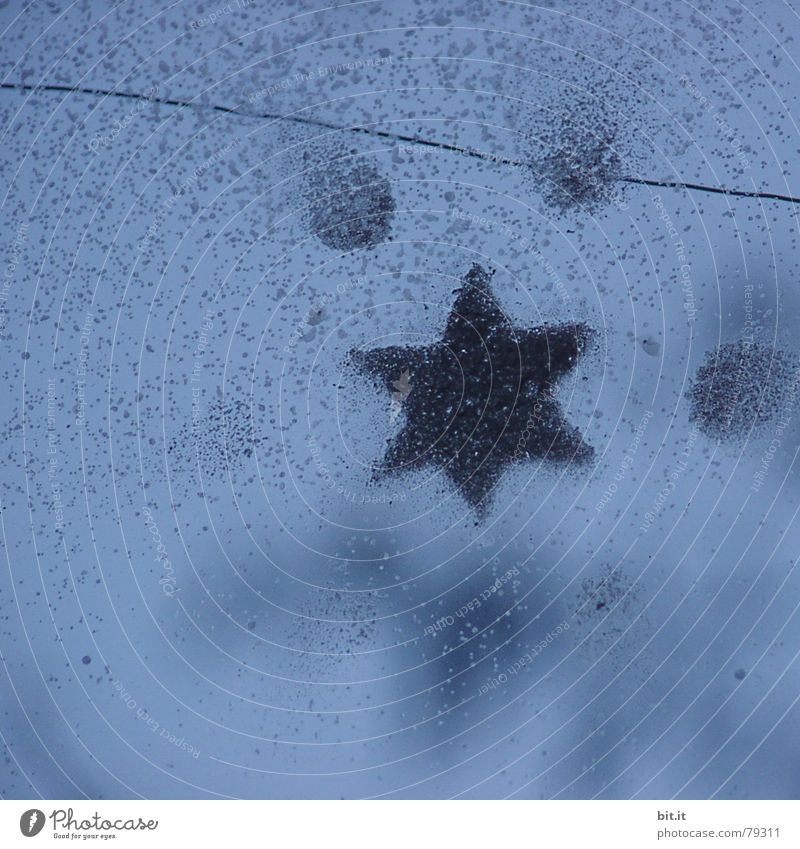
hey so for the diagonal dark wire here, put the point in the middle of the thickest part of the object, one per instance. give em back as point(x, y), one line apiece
point(397, 137)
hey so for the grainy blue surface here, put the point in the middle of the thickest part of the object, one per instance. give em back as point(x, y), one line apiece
point(203, 592)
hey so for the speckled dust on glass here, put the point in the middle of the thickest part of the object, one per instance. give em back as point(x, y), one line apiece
point(401, 400)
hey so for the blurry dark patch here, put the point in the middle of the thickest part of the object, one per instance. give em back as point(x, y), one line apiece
point(742, 386)
point(576, 159)
point(483, 398)
point(476, 646)
point(740, 675)
point(220, 440)
point(351, 206)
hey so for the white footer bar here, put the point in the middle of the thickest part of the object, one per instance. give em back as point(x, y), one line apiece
point(402, 824)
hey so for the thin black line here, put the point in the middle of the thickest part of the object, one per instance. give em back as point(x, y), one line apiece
point(273, 116)
point(717, 190)
point(397, 137)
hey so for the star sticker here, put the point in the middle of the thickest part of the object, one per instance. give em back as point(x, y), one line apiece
point(483, 397)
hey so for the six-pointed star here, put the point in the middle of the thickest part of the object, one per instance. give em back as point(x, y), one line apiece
point(482, 398)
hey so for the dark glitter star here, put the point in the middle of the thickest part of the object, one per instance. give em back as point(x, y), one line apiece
point(482, 398)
